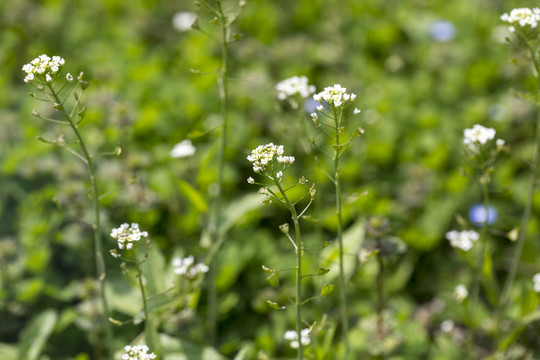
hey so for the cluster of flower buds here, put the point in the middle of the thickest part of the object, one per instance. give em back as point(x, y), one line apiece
point(139, 352)
point(127, 235)
point(44, 68)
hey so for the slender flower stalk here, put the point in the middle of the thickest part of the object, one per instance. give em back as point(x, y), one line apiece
point(149, 327)
point(339, 211)
point(269, 161)
point(217, 237)
point(333, 101)
point(524, 26)
point(43, 73)
point(380, 297)
point(299, 254)
point(129, 237)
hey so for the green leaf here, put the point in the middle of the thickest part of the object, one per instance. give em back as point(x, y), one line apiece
point(327, 289)
point(243, 353)
point(237, 209)
point(8, 352)
point(193, 195)
point(273, 279)
point(179, 349)
point(36, 334)
point(322, 271)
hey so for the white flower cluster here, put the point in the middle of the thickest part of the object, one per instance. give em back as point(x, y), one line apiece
point(265, 156)
point(292, 336)
point(187, 267)
point(183, 149)
point(297, 86)
point(463, 240)
point(476, 136)
point(536, 282)
point(127, 235)
point(523, 17)
point(334, 95)
point(139, 352)
point(460, 293)
point(43, 67)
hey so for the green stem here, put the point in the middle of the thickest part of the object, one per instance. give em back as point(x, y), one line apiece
point(148, 326)
point(528, 207)
point(299, 253)
point(339, 208)
point(98, 246)
point(380, 300)
point(216, 237)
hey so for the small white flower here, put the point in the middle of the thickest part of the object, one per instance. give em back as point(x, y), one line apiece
point(139, 352)
point(460, 293)
point(463, 240)
point(250, 180)
point(292, 336)
point(447, 326)
point(335, 96)
point(293, 88)
point(69, 77)
point(183, 149)
point(266, 157)
point(182, 21)
point(536, 282)
point(523, 17)
point(500, 143)
point(42, 66)
point(187, 267)
point(477, 136)
point(320, 108)
point(279, 175)
point(356, 111)
point(127, 235)
point(314, 116)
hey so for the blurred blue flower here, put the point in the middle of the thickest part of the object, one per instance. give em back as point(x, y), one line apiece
point(442, 31)
point(310, 105)
point(477, 214)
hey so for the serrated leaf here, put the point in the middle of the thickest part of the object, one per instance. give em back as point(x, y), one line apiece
point(327, 289)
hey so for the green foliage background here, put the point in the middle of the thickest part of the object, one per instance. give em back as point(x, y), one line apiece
point(416, 95)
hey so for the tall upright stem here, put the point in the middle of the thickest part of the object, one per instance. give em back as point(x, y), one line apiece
point(217, 238)
point(532, 187)
point(148, 326)
point(299, 253)
point(98, 245)
point(339, 206)
point(380, 300)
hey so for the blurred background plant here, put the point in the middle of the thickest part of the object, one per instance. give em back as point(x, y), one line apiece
point(422, 72)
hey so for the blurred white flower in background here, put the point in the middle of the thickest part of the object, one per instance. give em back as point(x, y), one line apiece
point(536, 282)
point(183, 20)
point(463, 240)
point(292, 336)
point(183, 149)
point(187, 267)
point(460, 293)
